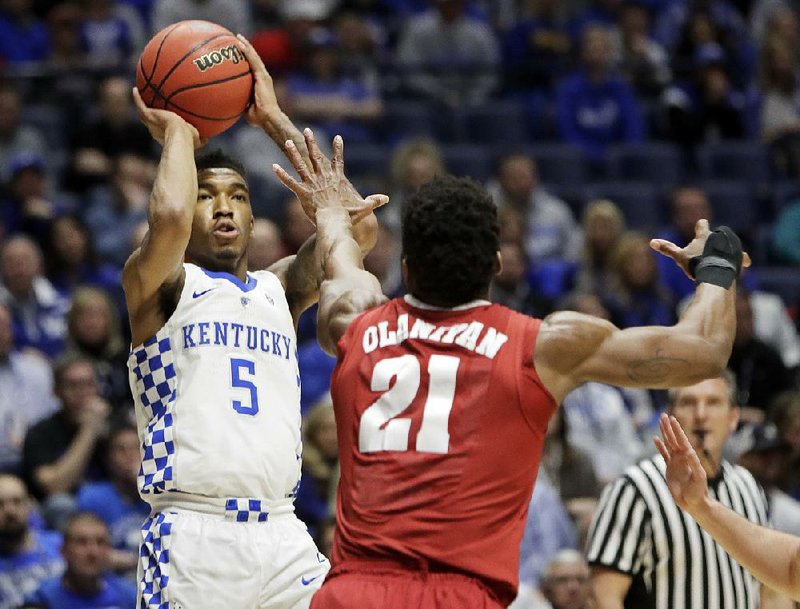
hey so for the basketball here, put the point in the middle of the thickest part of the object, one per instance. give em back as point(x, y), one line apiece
point(195, 69)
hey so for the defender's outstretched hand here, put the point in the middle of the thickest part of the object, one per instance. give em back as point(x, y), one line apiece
point(686, 477)
point(158, 121)
point(683, 255)
point(324, 184)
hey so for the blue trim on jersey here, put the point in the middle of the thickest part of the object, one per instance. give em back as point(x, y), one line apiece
point(244, 287)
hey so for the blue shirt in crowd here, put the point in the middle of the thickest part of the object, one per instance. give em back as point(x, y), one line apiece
point(115, 593)
point(123, 516)
point(21, 574)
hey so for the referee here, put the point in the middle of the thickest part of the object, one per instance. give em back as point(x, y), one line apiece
point(646, 553)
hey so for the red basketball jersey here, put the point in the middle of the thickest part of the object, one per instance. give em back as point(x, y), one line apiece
point(441, 418)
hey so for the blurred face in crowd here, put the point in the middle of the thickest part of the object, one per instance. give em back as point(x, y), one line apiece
point(634, 21)
point(590, 304)
point(296, 227)
point(115, 101)
point(380, 260)
point(29, 182)
point(20, 264)
point(76, 387)
point(91, 319)
point(421, 169)
point(566, 583)
point(603, 231)
point(14, 509)
point(639, 270)
point(450, 9)
point(518, 179)
point(513, 269)
point(707, 415)
point(324, 433)
point(266, 246)
point(9, 111)
point(6, 333)
point(70, 241)
point(124, 457)
point(688, 206)
point(86, 548)
point(597, 50)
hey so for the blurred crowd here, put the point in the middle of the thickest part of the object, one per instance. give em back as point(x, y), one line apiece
point(595, 124)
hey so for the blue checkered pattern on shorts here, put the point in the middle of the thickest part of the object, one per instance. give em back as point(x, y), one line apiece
point(154, 558)
point(246, 510)
point(153, 366)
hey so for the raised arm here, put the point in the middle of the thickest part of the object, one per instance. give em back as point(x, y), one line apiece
point(158, 261)
point(773, 557)
point(573, 348)
point(347, 289)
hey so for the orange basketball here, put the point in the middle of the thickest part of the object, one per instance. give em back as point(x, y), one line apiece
point(195, 69)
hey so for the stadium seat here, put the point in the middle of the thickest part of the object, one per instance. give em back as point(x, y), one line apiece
point(656, 162)
point(468, 160)
point(498, 122)
point(638, 201)
point(733, 204)
point(783, 281)
point(561, 165)
point(734, 160)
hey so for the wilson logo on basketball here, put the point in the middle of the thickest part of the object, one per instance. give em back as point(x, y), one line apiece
point(214, 58)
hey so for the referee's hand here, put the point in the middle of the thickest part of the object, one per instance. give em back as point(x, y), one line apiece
point(686, 477)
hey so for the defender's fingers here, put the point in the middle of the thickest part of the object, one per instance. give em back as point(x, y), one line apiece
point(701, 229)
point(314, 153)
point(376, 201)
point(287, 180)
point(298, 162)
point(337, 162)
point(665, 248)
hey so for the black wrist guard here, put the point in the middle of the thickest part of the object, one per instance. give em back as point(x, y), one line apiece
point(721, 261)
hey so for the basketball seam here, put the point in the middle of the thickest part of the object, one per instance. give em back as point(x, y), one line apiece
point(181, 60)
point(204, 84)
point(149, 79)
point(158, 93)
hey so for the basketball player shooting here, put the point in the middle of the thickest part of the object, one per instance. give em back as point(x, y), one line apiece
point(215, 380)
point(442, 398)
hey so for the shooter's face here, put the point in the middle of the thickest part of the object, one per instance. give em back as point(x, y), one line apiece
point(707, 416)
point(223, 220)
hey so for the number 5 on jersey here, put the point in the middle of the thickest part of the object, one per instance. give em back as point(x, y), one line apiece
point(243, 376)
point(380, 429)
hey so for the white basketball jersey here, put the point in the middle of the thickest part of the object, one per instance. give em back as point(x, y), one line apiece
point(217, 391)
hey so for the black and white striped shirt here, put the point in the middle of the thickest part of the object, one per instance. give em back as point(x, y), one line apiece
point(640, 531)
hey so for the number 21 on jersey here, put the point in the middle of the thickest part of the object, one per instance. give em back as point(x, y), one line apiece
point(381, 429)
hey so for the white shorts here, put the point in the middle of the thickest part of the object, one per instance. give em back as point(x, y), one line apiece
point(246, 555)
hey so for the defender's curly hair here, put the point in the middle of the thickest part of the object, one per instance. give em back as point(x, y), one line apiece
point(450, 241)
point(219, 159)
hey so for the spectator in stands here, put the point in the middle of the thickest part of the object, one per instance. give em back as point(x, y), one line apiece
point(38, 310)
point(361, 42)
point(28, 205)
point(780, 111)
point(447, 56)
point(635, 296)
point(595, 108)
point(111, 34)
point(384, 261)
point(95, 333)
point(603, 225)
point(760, 373)
point(14, 135)
point(565, 583)
point(296, 227)
point(71, 261)
point(550, 231)
point(766, 455)
point(785, 414)
point(689, 204)
point(706, 107)
point(537, 49)
point(266, 245)
point(414, 162)
point(771, 17)
point(84, 583)
point(23, 36)
point(63, 24)
point(323, 95)
point(643, 62)
point(548, 531)
point(116, 500)
point(114, 131)
point(63, 450)
point(510, 286)
point(317, 491)
point(27, 556)
point(232, 14)
point(26, 394)
point(115, 209)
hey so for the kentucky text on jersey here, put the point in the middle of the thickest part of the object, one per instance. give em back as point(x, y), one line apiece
point(235, 335)
point(476, 337)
